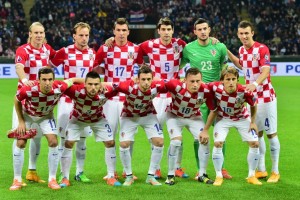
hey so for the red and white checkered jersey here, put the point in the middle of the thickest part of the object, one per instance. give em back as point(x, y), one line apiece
point(232, 105)
point(38, 104)
point(33, 59)
point(186, 104)
point(76, 62)
point(138, 103)
point(164, 60)
point(118, 62)
point(252, 61)
point(87, 109)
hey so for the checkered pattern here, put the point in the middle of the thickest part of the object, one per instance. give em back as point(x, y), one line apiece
point(38, 104)
point(118, 63)
point(185, 104)
point(87, 109)
point(252, 61)
point(33, 59)
point(138, 103)
point(232, 105)
point(164, 60)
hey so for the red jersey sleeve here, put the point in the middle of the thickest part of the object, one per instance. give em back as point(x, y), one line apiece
point(264, 56)
point(59, 57)
point(21, 56)
point(100, 55)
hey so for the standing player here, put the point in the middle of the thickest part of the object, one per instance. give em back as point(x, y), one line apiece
point(187, 97)
point(87, 111)
point(209, 59)
point(77, 59)
point(39, 100)
point(119, 57)
point(255, 62)
point(29, 59)
point(231, 112)
point(138, 110)
point(165, 54)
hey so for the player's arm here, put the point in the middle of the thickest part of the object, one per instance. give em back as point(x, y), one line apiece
point(109, 42)
point(71, 81)
point(234, 59)
point(253, 126)
point(21, 126)
point(204, 136)
point(264, 74)
point(22, 76)
point(184, 59)
point(58, 58)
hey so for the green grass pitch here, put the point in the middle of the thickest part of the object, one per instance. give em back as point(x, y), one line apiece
point(288, 94)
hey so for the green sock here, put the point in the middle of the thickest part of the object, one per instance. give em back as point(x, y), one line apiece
point(196, 147)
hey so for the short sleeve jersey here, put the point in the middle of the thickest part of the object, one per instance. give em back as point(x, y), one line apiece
point(33, 59)
point(118, 63)
point(185, 104)
point(138, 103)
point(209, 59)
point(231, 106)
point(164, 59)
point(253, 60)
point(88, 109)
point(38, 104)
point(76, 63)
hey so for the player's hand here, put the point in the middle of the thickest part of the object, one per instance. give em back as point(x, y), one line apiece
point(109, 42)
point(250, 87)
point(28, 83)
point(214, 40)
point(21, 129)
point(204, 137)
point(253, 128)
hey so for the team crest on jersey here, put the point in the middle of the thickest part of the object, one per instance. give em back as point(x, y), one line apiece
point(130, 55)
point(91, 57)
point(199, 101)
point(238, 102)
point(255, 57)
point(19, 59)
point(176, 49)
point(266, 57)
point(213, 52)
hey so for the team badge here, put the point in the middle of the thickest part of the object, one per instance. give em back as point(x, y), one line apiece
point(199, 101)
point(213, 52)
point(238, 102)
point(91, 56)
point(267, 57)
point(176, 49)
point(130, 55)
point(19, 59)
point(255, 56)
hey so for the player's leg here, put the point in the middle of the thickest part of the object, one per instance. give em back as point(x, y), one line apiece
point(128, 128)
point(271, 131)
point(174, 127)
point(48, 127)
point(221, 131)
point(155, 133)
point(74, 129)
point(103, 133)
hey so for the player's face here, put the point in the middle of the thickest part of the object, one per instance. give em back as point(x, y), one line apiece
point(81, 37)
point(166, 33)
point(193, 82)
point(246, 36)
point(202, 31)
point(121, 33)
point(145, 81)
point(46, 81)
point(37, 35)
point(92, 86)
point(230, 83)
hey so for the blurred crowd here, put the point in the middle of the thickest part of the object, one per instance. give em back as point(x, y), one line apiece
point(277, 22)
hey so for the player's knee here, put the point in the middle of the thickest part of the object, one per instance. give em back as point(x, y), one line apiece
point(125, 144)
point(69, 144)
point(109, 144)
point(270, 136)
point(260, 134)
point(159, 142)
point(253, 144)
point(218, 144)
point(21, 144)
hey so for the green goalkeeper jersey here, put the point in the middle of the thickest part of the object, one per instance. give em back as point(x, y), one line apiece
point(209, 59)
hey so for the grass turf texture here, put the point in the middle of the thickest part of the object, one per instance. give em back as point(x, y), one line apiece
point(287, 89)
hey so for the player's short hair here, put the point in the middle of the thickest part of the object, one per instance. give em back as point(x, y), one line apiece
point(144, 69)
point(245, 24)
point(46, 70)
point(121, 21)
point(80, 25)
point(201, 21)
point(192, 71)
point(229, 70)
point(30, 30)
point(93, 75)
point(165, 21)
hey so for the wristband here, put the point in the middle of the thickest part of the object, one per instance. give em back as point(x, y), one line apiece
point(24, 80)
point(255, 83)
